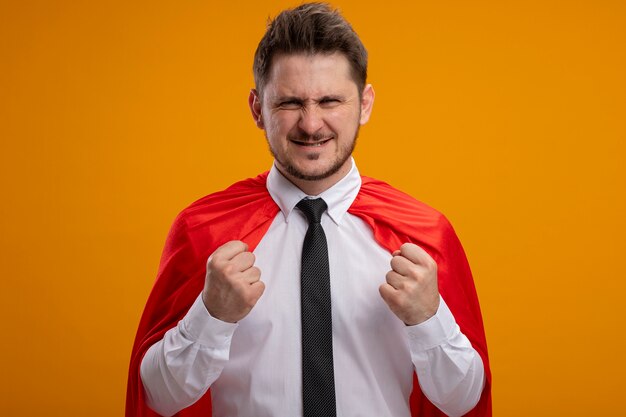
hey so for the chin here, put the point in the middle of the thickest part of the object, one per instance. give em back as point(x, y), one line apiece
point(315, 173)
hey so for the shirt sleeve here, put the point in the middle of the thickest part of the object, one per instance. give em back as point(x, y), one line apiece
point(177, 370)
point(449, 370)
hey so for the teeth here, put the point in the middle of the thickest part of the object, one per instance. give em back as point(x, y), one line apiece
point(314, 144)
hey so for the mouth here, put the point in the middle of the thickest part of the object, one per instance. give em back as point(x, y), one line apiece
point(310, 144)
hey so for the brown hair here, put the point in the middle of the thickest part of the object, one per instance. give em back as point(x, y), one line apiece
point(310, 28)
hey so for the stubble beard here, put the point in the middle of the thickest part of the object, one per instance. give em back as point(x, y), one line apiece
point(344, 154)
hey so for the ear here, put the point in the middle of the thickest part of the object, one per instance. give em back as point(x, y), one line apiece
point(254, 101)
point(367, 103)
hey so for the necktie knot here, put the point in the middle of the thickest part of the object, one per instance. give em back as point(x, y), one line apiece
point(312, 208)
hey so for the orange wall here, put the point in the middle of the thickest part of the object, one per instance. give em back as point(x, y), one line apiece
point(507, 116)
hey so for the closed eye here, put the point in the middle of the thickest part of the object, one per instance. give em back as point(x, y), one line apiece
point(329, 101)
point(290, 104)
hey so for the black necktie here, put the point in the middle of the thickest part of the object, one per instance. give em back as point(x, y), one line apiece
point(318, 381)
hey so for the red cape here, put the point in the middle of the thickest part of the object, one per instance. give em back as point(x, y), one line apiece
point(244, 212)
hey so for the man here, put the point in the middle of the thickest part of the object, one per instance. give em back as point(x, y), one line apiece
point(396, 329)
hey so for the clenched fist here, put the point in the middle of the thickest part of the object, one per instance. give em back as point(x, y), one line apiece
point(232, 285)
point(411, 290)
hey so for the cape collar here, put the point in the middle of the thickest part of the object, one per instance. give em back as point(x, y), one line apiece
point(339, 197)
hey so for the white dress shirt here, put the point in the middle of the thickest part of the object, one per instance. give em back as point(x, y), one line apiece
point(253, 367)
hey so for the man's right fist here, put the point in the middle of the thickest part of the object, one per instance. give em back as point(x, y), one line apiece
point(232, 285)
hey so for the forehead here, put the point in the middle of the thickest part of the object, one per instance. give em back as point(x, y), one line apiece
point(305, 75)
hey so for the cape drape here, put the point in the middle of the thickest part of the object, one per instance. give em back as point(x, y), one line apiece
point(244, 211)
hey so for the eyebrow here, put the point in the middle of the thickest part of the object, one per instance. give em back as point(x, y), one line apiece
point(281, 99)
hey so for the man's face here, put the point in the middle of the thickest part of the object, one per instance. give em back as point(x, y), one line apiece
point(311, 111)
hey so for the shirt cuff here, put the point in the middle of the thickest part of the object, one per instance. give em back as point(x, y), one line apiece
point(198, 325)
point(433, 332)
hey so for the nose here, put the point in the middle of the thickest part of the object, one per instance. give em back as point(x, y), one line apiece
point(311, 120)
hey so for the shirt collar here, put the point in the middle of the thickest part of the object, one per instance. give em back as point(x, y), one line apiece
point(339, 197)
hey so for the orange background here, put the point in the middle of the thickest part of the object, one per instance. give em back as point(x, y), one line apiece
point(507, 116)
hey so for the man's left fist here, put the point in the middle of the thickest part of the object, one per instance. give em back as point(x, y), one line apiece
point(411, 290)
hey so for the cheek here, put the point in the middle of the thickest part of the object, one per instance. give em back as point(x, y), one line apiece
point(342, 120)
point(281, 124)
